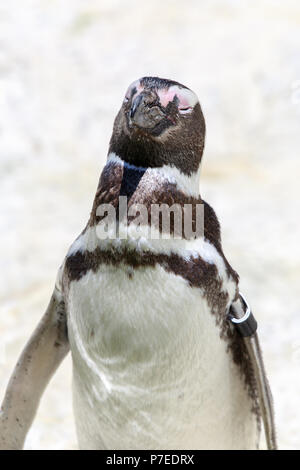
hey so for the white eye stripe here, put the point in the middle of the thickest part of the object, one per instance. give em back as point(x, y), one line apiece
point(187, 98)
point(131, 87)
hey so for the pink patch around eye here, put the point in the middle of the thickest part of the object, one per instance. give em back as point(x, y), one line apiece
point(187, 99)
point(165, 96)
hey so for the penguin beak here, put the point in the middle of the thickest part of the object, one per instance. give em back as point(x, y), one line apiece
point(144, 113)
point(135, 104)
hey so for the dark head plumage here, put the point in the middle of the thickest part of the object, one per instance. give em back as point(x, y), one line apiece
point(160, 123)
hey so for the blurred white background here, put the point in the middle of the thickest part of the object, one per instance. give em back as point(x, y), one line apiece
point(64, 68)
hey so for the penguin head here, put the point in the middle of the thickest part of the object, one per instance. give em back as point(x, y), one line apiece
point(160, 123)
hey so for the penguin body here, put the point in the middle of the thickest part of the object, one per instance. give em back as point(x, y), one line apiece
point(150, 369)
point(142, 307)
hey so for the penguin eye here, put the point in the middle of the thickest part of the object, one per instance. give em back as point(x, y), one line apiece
point(185, 110)
point(185, 98)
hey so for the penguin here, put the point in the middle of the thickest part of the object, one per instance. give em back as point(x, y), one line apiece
point(156, 363)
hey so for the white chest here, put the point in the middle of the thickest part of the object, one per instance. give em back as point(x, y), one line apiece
point(150, 370)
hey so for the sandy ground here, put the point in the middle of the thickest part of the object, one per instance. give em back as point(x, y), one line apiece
point(64, 67)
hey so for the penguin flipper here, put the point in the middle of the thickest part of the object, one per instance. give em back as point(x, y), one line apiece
point(40, 358)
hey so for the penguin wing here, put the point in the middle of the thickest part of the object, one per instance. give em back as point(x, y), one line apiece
point(41, 356)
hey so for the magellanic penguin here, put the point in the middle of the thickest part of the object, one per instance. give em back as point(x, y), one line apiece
point(156, 363)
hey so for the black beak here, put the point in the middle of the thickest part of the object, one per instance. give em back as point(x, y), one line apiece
point(135, 105)
point(145, 112)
